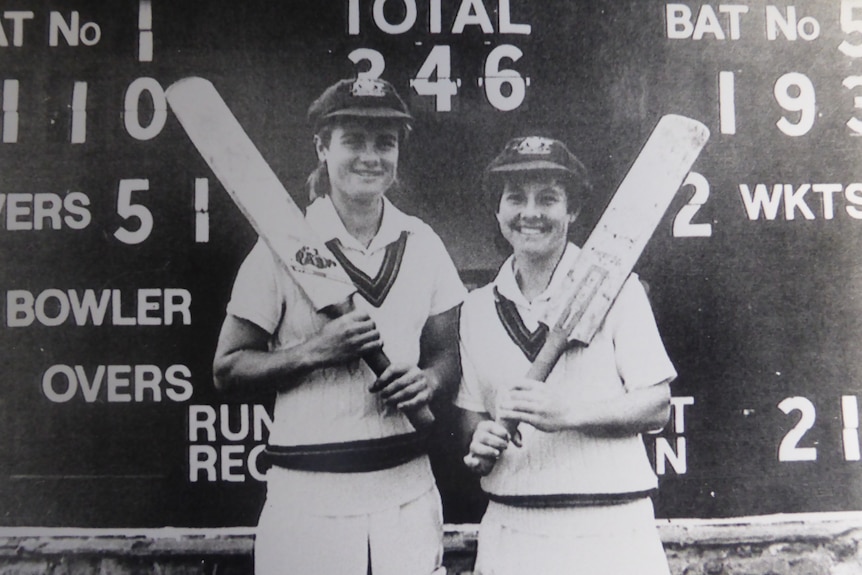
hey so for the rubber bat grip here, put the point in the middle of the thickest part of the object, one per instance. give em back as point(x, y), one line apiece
point(377, 360)
point(542, 366)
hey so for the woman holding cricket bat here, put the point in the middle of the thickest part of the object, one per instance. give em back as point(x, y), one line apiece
point(562, 460)
point(350, 489)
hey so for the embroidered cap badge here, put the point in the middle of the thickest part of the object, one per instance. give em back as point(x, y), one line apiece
point(363, 87)
point(535, 145)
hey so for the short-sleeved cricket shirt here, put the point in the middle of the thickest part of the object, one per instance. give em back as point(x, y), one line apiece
point(499, 332)
point(405, 276)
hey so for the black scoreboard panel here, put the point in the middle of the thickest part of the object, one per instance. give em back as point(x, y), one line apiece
point(119, 246)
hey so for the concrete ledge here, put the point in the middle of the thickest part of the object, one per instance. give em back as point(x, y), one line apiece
point(797, 544)
point(809, 544)
point(757, 529)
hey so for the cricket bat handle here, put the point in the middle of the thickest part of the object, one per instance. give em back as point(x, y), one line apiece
point(542, 366)
point(421, 418)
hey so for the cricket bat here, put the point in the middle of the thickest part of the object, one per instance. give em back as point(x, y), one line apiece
point(260, 196)
point(621, 234)
point(619, 238)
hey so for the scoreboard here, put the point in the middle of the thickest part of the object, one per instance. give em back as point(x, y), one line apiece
point(118, 246)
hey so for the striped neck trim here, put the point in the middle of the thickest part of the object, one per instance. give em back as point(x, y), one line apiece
point(530, 342)
point(377, 288)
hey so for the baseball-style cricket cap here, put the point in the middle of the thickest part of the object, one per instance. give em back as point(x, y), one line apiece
point(359, 97)
point(536, 153)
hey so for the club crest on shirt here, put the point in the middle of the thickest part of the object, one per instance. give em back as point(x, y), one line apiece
point(308, 256)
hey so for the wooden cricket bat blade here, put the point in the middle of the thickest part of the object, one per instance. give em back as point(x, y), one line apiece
point(631, 217)
point(257, 191)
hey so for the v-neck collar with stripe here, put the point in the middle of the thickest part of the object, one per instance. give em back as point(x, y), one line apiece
point(372, 269)
point(527, 321)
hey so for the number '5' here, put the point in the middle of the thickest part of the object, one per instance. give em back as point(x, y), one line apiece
point(127, 210)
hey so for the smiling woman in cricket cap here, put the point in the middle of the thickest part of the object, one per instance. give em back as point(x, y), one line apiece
point(562, 460)
point(369, 102)
point(349, 488)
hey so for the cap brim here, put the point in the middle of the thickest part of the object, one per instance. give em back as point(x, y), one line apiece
point(532, 165)
point(370, 113)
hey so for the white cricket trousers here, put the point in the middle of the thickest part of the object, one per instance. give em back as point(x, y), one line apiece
point(401, 540)
point(592, 540)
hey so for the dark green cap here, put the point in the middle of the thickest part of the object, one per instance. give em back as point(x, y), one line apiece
point(536, 153)
point(362, 98)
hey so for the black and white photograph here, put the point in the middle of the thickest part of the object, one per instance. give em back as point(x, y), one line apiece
point(430, 287)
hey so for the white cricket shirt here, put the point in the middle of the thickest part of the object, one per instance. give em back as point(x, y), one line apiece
point(333, 404)
point(626, 353)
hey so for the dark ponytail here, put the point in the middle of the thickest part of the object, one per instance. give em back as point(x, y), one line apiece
point(317, 184)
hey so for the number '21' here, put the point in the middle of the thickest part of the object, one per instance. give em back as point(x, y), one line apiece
point(789, 450)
